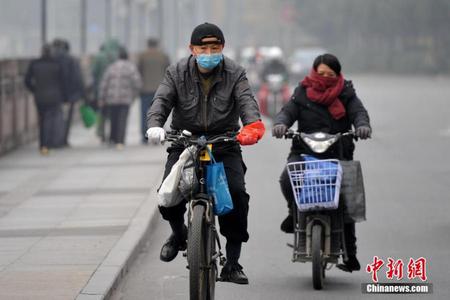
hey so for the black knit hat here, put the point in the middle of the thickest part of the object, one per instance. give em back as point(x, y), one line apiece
point(206, 30)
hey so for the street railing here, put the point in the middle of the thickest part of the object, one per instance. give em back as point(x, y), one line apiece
point(18, 118)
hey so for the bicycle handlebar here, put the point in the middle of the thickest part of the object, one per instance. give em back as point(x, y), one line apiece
point(201, 140)
point(290, 134)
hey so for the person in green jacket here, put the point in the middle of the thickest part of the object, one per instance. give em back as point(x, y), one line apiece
point(108, 54)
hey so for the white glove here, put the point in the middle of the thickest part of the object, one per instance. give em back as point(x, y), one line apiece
point(156, 135)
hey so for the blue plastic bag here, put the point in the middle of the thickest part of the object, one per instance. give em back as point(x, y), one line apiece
point(320, 179)
point(217, 186)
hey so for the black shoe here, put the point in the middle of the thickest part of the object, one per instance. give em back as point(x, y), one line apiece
point(171, 247)
point(288, 224)
point(233, 273)
point(350, 265)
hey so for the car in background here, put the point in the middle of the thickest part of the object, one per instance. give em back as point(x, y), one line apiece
point(301, 60)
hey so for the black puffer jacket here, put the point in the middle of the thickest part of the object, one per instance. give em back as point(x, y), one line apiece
point(314, 117)
point(230, 97)
point(73, 78)
point(44, 78)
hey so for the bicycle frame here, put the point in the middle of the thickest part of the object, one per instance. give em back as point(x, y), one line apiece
point(203, 198)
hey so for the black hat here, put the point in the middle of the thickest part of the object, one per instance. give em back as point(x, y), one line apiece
point(206, 30)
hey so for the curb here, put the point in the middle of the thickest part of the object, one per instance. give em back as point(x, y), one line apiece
point(116, 264)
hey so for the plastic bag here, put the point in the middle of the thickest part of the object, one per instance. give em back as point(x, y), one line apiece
point(88, 115)
point(169, 194)
point(321, 179)
point(217, 186)
point(352, 192)
point(188, 180)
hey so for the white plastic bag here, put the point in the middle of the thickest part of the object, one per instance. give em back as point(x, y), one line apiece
point(169, 194)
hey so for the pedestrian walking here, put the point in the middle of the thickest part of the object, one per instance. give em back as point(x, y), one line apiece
point(120, 85)
point(73, 81)
point(152, 64)
point(108, 54)
point(44, 78)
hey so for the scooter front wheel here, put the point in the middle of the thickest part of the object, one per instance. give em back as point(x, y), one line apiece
point(317, 259)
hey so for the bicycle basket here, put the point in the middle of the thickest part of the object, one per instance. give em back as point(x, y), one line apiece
point(315, 183)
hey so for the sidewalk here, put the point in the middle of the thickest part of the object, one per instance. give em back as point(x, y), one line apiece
point(70, 223)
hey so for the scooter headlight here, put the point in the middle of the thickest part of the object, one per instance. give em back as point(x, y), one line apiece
point(319, 146)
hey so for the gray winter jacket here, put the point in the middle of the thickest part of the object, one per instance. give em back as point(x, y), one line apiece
point(230, 97)
point(120, 84)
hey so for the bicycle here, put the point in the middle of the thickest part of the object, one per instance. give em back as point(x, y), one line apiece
point(203, 244)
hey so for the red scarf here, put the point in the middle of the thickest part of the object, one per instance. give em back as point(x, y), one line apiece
point(325, 91)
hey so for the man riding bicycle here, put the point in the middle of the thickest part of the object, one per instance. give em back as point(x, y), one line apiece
point(208, 93)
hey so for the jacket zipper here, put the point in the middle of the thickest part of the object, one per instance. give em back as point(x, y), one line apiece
point(205, 106)
point(205, 113)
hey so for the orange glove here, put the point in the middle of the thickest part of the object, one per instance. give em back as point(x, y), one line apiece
point(251, 133)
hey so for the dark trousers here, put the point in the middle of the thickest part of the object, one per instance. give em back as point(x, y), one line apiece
point(102, 122)
point(233, 225)
point(118, 117)
point(68, 122)
point(146, 102)
point(286, 189)
point(51, 125)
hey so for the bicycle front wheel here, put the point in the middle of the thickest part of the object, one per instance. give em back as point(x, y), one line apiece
point(198, 280)
point(211, 259)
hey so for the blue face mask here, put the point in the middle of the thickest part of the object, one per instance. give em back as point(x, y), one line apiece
point(209, 61)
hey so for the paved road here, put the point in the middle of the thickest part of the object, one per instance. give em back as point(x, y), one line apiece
point(406, 171)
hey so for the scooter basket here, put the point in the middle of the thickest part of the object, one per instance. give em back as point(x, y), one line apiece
point(315, 183)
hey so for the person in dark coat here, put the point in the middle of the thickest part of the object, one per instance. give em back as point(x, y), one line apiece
point(207, 94)
point(274, 66)
point(152, 63)
point(44, 78)
point(324, 101)
point(108, 54)
point(73, 81)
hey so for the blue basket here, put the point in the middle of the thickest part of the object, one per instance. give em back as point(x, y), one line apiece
point(315, 183)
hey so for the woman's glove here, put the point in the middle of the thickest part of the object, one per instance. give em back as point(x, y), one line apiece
point(279, 130)
point(156, 135)
point(363, 132)
point(251, 133)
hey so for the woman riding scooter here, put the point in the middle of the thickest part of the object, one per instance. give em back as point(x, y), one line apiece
point(324, 101)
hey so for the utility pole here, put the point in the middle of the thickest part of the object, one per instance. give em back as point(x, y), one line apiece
point(127, 37)
point(83, 27)
point(160, 20)
point(176, 26)
point(43, 21)
point(142, 25)
point(108, 13)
